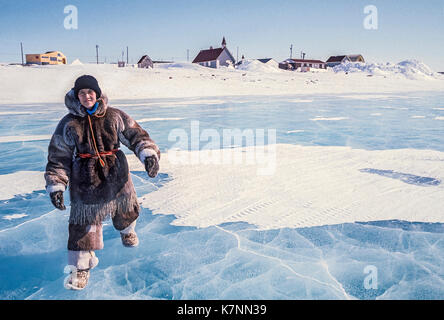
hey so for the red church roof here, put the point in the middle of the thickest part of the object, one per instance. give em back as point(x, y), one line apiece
point(208, 55)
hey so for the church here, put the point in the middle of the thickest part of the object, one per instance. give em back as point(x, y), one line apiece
point(215, 57)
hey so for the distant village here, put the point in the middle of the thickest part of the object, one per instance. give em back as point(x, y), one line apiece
point(214, 58)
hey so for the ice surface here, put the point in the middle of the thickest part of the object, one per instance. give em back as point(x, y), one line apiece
point(395, 156)
point(405, 177)
point(230, 261)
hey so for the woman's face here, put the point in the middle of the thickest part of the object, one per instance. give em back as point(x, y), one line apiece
point(87, 98)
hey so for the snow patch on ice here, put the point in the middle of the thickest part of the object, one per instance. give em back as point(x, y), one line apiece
point(7, 113)
point(329, 119)
point(311, 186)
point(295, 131)
point(158, 119)
point(21, 182)
point(14, 216)
point(25, 138)
point(301, 100)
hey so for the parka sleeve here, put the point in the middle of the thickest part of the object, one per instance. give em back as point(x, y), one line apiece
point(133, 136)
point(60, 155)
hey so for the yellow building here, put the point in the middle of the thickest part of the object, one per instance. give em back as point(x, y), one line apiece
point(50, 57)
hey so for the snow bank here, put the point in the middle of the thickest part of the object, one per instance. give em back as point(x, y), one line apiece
point(257, 66)
point(412, 69)
point(180, 65)
point(76, 63)
point(43, 84)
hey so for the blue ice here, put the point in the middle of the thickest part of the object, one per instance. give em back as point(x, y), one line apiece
point(404, 177)
point(234, 260)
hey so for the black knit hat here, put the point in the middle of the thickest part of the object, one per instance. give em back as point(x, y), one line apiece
point(87, 82)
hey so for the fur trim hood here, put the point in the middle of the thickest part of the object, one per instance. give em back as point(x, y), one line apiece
point(75, 107)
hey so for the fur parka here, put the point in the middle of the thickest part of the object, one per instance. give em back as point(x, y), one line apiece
point(96, 191)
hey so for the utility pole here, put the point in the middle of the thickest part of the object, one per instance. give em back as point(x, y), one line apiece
point(21, 48)
point(97, 53)
point(291, 51)
point(237, 55)
point(127, 59)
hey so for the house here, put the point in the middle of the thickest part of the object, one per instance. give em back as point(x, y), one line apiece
point(302, 64)
point(335, 60)
point(214, 58)
point(145, 62)
point(50, 57)
point(356, 58)
point(287, 64)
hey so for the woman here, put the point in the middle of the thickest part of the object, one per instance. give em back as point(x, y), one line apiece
point(84, 154)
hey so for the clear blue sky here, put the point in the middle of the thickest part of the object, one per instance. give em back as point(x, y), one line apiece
point(260, 28)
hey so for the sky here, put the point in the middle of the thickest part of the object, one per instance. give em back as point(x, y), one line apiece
point(177, 29)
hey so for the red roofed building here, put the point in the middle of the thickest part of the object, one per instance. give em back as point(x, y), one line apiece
point(214, 58)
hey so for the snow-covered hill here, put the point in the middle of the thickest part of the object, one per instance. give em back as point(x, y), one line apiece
point(411, 69)
point(35, 84)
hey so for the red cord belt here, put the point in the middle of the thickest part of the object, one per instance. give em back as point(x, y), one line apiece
point(104, 153)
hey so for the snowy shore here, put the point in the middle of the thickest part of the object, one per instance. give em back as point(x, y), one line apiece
point(40, 84)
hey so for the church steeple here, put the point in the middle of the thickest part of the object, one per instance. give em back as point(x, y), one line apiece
point(224, 43)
